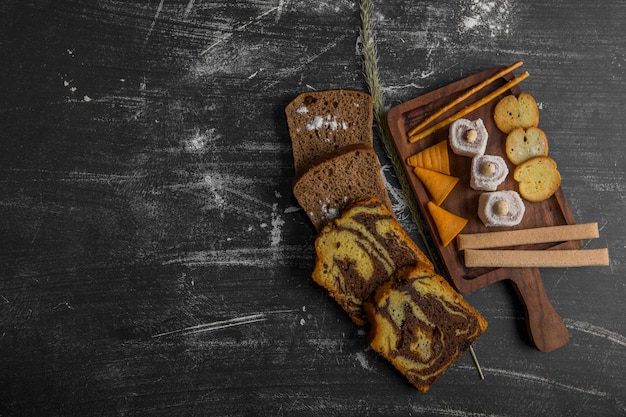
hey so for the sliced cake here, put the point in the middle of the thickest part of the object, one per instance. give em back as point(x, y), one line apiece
point(421, 325)
point(359, 251)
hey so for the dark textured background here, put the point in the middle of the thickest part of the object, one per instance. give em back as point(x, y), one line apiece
point(152, 257)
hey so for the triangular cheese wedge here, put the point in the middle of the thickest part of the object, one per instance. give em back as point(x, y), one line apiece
point(434, 158)
point(438, 185)
point(449, 225)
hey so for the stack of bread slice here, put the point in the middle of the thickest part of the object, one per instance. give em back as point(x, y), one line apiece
point(335, 163)
point(364, 259)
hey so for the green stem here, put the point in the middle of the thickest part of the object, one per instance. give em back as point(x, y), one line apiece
point(370, 70)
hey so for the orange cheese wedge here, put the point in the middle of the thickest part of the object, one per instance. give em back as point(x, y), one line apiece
point(438, 185)
point(448, 225)
point(434, 158)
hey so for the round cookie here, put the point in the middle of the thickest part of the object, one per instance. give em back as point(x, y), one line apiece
point(512, 112)
point(521, 145)
point(538, 178)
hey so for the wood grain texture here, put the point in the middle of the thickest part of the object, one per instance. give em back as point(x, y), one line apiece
point(153, 260)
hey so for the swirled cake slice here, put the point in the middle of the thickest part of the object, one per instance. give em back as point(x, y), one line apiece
point(420, 324)
point(359, 251)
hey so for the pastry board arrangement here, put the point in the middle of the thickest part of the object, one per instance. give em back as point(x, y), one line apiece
point(546, 329)
point(369, 265)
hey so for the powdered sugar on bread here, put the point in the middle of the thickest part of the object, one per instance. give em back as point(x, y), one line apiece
point(320, 122)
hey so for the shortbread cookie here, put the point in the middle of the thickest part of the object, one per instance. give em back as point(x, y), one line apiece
point(523, 144)
point(512, 112)
point(538, 178)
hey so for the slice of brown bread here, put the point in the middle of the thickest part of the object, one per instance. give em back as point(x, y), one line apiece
point(332, 183)
point(321, 122)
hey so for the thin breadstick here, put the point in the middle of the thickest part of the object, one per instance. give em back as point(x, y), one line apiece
point(527, 236)
point(501, 258)
point(463, 96)
point(489, 97)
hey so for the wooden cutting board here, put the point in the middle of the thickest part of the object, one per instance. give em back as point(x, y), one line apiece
point(546, 329)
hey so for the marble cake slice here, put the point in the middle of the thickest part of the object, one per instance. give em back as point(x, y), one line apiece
point(421, 325)
point(359, 251)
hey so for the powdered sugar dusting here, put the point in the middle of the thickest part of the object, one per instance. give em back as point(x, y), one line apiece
point(362, 359)
point(277, 224)
point(328, 122)
point(316, 123)
point(490, 16)
point(328, 212)
point(396, 195)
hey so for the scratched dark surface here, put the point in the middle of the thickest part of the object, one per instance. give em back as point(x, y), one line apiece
point(152, 257)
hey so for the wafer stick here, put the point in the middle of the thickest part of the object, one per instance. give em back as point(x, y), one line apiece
point(489, 97)
point(527, 236)
point(502, 258)
point(462, 97)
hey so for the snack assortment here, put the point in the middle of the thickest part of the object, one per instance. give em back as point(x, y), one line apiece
point(501, 203)
point(470, 212)
point(526, 147)
point(364, 259)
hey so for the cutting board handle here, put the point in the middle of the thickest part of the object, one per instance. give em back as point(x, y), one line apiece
point(546, 329)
